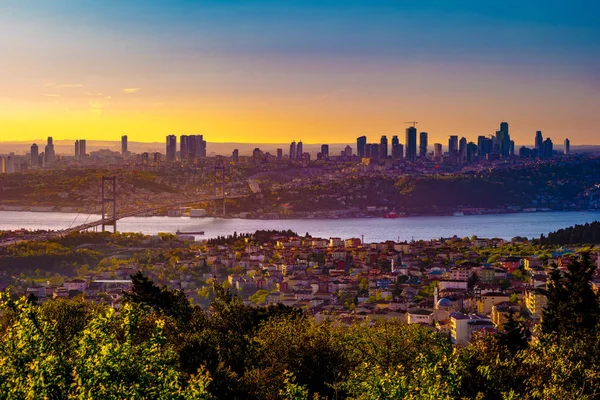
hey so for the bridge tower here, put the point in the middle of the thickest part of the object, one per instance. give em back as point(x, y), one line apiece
point(219, 170)
point(109, 197)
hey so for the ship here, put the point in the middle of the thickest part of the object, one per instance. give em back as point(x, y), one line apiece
point(458, 213)
point(394, 214)
point(189, 233)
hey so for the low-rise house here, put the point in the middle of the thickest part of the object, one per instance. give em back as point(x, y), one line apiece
point(535, 301)
point(420, 316)
point(463, 326)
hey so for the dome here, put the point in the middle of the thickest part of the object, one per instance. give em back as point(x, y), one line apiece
point(444, 302)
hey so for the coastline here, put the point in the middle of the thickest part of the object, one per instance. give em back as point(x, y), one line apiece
point(307, 216)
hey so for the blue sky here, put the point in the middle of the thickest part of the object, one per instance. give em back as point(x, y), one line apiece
point(260, 60)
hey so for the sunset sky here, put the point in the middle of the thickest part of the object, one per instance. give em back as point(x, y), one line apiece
point(322, 71)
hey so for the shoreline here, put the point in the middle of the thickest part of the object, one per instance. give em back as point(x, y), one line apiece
point(271, 217)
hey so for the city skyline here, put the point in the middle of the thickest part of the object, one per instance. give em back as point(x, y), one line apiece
point(284, 71)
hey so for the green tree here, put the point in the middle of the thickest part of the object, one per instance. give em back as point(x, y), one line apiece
point(572, 305)
point(514, 336)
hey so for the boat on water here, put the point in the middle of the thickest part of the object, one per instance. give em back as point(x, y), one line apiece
point(394, 214)
point(189, 233)
point(458, 213)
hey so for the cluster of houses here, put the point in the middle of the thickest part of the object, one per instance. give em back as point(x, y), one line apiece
point(443, 284)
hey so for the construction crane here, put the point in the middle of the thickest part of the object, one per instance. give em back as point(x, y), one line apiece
point(413, 123)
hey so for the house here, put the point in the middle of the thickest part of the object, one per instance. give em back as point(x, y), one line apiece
point(76, 284)
point(420, 316)
point(535, 301)
point(463, 326)
point(453, 284)
point(500, 312)
point(487, 301)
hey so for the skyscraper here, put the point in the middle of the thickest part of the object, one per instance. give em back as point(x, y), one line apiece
point(471, 151)
point(279, 154)
point(184, 147)
point(383, 147)
point(299, 150)
point(361, 144)
point(34, 156)
point(395, 140)
point(82, 148)
point(503, 139)
point(437, 150)
point(171, 148)
point(567, 149)
point(325, 150)
point(411, 143)
point(49, 152)
point(77, 149)
point(462, 150)
point(397, 150)
point(293, 150)
point(124, 145)
point(539, 142)
point(452, 144)
point(235, 156)
point(547, 148)
point(423, 144)
point(199, 145)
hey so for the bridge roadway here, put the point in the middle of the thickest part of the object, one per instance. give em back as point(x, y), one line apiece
point(89, 225)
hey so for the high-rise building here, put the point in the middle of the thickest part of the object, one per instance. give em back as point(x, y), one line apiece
point(547, 148)
point(257, 155)
point(471, 151)
point(279, 154)
point(367, 150)
point(383, 147)
point(124, 145)
point(171, 148)
point(82, 148)
point(196, 147)
point(462, 150)
point(34, 156)
point(484, 146)
point(200, 146)
point(503, 139)
point(423, 144)
point(235, 156)
point(395, 140)
point(325, 150)
point(299, 150)
point(293, 150)
point(184, 147)
point(539, 142)
point(49, 155)
point(374, 151)
point(567, 149)
point(347, 151)
point(411, 143)
point(511, 148)
point(397, 150)
point(77, 149)
point(361, 145)
point(452, 144)
point(437, 150)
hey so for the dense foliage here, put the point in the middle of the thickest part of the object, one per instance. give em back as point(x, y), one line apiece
point(587, 233)
point(159, 346)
